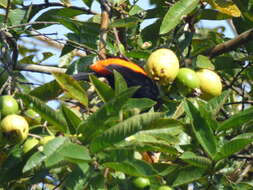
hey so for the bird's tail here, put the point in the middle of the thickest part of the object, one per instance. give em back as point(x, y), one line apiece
point(83, 75)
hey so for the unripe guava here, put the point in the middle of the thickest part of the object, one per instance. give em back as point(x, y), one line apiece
point(210, 83)
point(8, 105)
point(187, 80)
point(14, 128)
point(165, 187)
point(141, 182)
point(162, 66)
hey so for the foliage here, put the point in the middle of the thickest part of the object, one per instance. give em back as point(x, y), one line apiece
point(104, 138)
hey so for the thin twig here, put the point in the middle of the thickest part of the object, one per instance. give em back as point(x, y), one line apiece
point(244, 173)
point(59, 45)
point(35, 35)
point(31, 23)
point(238, 74)
point(118, 42)
point(243, 95)
point(85, 10)
point(235, 89)
point(35, 136)
point(240, 102)
point(28, 83)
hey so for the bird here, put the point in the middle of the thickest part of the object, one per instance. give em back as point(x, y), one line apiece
point(133, 74)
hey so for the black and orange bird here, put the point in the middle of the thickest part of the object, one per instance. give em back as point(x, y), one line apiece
point(133, 74)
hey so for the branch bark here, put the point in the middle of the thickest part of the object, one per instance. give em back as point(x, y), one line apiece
point(39, 68)
point(103, 35)
point(105, 20)
point(227, 46)
point(7, 11)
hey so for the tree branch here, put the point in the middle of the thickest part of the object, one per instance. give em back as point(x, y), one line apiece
point(7, 11)
point(54, 43)
point(227, 46)
point(39, 68)
point(31, 23)
point(105, 19)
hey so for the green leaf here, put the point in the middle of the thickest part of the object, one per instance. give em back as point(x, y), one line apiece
point(72, 87)
point(164, 169)
point(138, 54)
point(85, 34)
point(46, 55)
point(45, 111)
point(125, 22)
point(57, 15)
point(96, 123)
point(237, 120)
point(175, 14)
point(244, 186)
point(104, 91)
point(133, 168)
point(201, 128)
point(71, 152)
point(47, 91)
point(167, 123)
point(71, 118)
point(13, 165)
point(88, 2)
point(179, 111)
point(75, 151)
point(53, 159)
point(204, 62)
point(119, 83)
point(124, 129)
point(151, 142)
point(135, 10)
point(187, 175)
point(75, 180)
point(200, 46)
point(151, 33)
point(139, 103)
point(16, 16)
point(216, 103)
point(231, 147)
point(66, 49)
point(81, 64)
point(4, 3)
point(48, 149)
point(198, 161)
